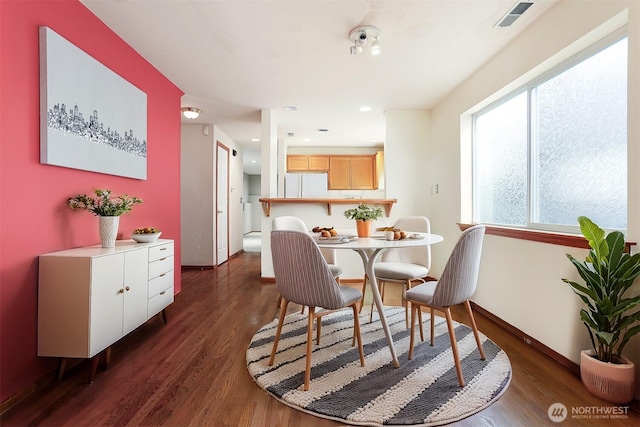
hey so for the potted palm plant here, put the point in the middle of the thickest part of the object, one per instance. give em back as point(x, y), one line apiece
point(363, 215)
point(611, 317)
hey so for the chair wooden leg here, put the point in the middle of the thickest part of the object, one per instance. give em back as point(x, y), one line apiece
point(307, 372)
point(364, 290)
point(318, 329)
point(357, 333)
point(420, 322)
point(414, 314)
point(283, 313)
point(454, 345)
point(406, 303)
point(475, 328)
point(433, 328)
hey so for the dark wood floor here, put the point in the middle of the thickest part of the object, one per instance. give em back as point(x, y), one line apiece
point(192, 371)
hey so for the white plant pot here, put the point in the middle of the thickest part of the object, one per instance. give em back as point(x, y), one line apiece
point(108, 227)
point(613, 382)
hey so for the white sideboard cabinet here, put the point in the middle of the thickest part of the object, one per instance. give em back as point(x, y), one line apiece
point(89, 298)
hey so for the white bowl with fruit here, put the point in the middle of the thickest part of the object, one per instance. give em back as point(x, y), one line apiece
point(146, 234)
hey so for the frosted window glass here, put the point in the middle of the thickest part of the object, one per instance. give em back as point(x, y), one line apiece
point(580, 149)
point(557, 150)
point(501, 163)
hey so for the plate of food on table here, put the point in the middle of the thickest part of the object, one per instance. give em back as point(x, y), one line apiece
point(398, 234)
point(329, 235)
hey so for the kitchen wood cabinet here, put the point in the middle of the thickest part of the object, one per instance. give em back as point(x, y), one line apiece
point(340, 173)
point(352, 173)
point(89, 298)
point(305, 163)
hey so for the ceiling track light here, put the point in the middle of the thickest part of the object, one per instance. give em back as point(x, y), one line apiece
point(361, 35)
point(191, 112)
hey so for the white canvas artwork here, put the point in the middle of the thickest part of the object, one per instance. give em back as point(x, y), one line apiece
point(90, 117)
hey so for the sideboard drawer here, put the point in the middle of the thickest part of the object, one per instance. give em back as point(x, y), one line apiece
point(160, 251)
point(161, 266)
point(160, 302)
point(160, 283)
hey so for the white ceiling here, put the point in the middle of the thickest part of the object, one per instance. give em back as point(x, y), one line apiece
point(234, 58)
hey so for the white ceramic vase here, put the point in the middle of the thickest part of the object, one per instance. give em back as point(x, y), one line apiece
point(108, 226)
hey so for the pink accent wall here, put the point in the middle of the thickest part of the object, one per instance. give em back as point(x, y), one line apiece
point(34, 218)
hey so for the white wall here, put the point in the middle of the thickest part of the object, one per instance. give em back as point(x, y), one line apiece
point(198, 194)
point(520, 281)
point(236, 184)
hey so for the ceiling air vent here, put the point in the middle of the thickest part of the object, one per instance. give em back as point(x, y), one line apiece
point(515, 13)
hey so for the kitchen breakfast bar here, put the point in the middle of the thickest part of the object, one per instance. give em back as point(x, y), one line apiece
point(320, 212)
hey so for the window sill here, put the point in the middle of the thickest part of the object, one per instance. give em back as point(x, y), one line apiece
point(571, 240)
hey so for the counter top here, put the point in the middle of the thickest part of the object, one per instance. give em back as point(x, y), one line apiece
point(267, 202)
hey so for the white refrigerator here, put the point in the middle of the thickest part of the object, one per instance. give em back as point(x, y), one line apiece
point(306, 185)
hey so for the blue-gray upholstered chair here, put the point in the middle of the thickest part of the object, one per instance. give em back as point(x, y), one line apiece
point(456, 285)
point(303, 277)
point(295, 223)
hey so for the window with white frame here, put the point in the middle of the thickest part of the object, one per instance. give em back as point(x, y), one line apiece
point(556, 149)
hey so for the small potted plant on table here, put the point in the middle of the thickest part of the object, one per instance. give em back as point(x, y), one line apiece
point(363, 215)
point(610, 318)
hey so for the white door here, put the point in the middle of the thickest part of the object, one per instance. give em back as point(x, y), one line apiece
point(222, 204)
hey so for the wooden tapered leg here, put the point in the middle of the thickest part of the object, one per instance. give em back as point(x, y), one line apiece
point(283, 313)
point(414, 314)
point(475, 328)
point(164, 316)
point(307, 372)
point(318, 329)
point(62, 367)
point(406, 303)
point(454, 345)
point(420, 322)
point(107, 357)
point(364, 290)
point(357, 334)
point(433, 328)
point(94, 367)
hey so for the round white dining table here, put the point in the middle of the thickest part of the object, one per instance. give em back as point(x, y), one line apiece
point(370, 250)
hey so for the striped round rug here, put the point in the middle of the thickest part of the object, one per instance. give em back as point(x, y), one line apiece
point(422, 392)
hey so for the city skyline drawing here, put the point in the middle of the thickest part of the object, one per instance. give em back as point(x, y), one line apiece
point(91, 118)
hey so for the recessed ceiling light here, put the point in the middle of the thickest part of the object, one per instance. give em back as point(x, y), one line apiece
point(323, 130)
point(254, 161)
point(364, 108)
point(306, 139)
point(290, 108)
point(255, 139)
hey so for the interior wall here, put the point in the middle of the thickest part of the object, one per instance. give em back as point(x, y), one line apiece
point(236, 185)
point(34, 217)
point(520, 281)
point(405, 152)
point(197, 195)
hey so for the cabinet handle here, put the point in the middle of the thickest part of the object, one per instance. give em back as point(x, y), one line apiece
point(162, 293)
point(127, 288)
point(162, 274)
point(121, 291)
point(163, 249)
point(162, 259)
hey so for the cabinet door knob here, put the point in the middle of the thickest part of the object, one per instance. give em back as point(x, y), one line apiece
point(121, 291)
point(127, 288)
